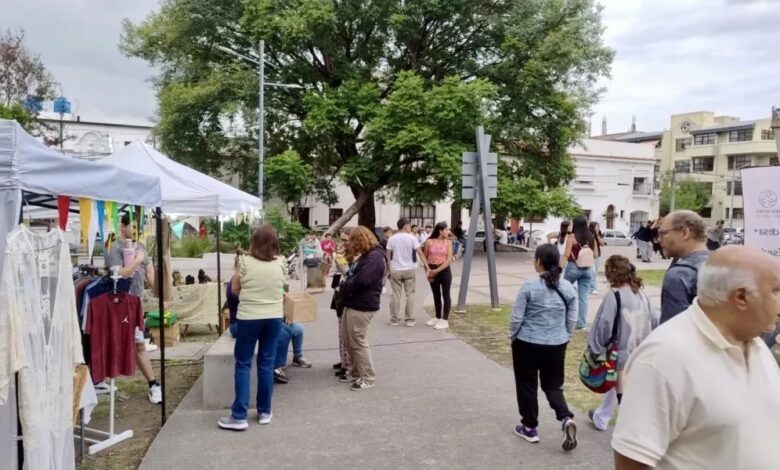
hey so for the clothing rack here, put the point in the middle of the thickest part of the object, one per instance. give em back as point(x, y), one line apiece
point(111, 438)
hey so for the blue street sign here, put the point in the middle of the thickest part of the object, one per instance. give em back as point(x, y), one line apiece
point(61, 105)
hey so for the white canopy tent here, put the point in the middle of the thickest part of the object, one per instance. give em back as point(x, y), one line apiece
point(33, 173)
point(184, 191)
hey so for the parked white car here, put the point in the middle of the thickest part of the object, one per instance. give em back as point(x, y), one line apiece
point(616, 238)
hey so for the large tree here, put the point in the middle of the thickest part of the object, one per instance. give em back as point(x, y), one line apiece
point(688, 194)
point(392, 88)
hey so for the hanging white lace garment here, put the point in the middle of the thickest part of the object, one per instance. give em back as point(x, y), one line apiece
point(39, 338)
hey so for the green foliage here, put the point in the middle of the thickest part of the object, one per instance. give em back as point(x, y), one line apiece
point(525, 197)
point(234, 236)
point(290, 233)
point(192, 247)
point(22, 72)
point(288, 177)
point(392, 90)
point(16, 112)
point(689, 194)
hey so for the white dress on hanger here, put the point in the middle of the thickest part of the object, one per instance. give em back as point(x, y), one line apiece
point(40, 339)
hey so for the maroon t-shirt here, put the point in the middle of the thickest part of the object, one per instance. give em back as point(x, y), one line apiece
point(111, 326)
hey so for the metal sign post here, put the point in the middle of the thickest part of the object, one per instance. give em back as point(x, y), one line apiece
point(480, 184)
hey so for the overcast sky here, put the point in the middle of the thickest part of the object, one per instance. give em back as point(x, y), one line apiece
point(672, 56)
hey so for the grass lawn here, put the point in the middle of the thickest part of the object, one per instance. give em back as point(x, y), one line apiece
point(652, 277)
point(486, 330)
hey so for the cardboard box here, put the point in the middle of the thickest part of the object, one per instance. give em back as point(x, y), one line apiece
point(172, 335)
point(300, 307)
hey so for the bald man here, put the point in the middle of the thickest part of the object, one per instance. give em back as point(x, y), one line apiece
point(702, 391)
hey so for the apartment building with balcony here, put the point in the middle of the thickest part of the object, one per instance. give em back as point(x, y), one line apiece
point(712, 149)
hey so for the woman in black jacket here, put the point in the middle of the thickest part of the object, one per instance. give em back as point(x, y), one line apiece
point(361, 291)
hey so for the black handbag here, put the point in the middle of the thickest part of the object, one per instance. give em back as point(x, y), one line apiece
point(311, 262)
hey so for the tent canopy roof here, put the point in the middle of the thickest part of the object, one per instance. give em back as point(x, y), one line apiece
point(28, 165)
point(185, 191)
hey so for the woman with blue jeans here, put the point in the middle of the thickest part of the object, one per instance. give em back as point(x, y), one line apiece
point(595, 230)
point(577, 270)
point(259, 282)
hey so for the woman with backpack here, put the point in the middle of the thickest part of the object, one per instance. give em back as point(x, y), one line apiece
point(577, 261)
point(628, 303)
point(542, 322)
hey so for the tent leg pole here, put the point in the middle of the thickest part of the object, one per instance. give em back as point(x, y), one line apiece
point(219, 280)
point(161, 305)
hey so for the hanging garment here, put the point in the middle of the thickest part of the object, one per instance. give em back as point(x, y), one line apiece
point(111, 324)
point(40, 339)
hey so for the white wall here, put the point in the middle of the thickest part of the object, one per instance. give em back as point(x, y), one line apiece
point(90, 138)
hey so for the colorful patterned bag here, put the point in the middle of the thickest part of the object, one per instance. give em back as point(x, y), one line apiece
point(599, 372)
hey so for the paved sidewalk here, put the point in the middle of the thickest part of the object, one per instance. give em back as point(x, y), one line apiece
point(438, 403)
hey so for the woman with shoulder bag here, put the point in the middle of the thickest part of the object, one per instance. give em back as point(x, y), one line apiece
point(259, 281)
point(635, 320)
point(361, 291)
point(577, 261)
point(541, 325)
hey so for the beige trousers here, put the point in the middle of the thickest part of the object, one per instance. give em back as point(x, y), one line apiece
point(354, 329)
point(402, 281)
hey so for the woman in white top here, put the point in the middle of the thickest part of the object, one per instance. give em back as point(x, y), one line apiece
point(560, 242)
point(259, 282)
point(637, 319)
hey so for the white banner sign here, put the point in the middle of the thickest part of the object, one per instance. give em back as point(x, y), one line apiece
point(761, 203)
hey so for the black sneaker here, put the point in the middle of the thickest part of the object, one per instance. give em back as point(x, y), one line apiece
point(279, 376)
point(337, 366)
point(340, 372)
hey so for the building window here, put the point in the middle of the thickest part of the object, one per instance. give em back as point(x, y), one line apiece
point(419, 215)
point(127, 142)
point(767, 134)
point(704, 139)
point(703, 164)
point(682, 144)
point(707, 188)
point(334, 214)
point(641, 187)
point(737, 213)
point(741, 135)
point(737, 162)
point(773, 161)
point(706, 212)
point(737, 188)
point(682, 166)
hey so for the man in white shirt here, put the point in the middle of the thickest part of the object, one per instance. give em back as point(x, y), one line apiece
point(402, 253)
point(703, 391)
point(425, 233)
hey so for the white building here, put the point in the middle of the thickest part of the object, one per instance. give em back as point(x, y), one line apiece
point(614, 186)
point(84, 138)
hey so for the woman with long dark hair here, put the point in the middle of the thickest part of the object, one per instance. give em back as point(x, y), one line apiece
point(438, 252)
point(636, 320)
point(542, 323)
point(560, 243)
point(595, 230)
point(259, 281)
point(577, 261)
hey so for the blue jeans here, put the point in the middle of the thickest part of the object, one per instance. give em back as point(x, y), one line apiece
point(455, 247)
point(249, 333)
point(292, 332)
point(584, 278)
point(596, 262)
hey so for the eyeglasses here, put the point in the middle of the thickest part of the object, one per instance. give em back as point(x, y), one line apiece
point(664, 232)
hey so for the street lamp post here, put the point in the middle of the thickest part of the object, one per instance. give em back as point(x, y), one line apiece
point(261, 110)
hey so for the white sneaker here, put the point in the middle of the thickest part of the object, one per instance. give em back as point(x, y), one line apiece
point(265, 418)
point(432, 321)
point(441, 325)
point(149, 346)
point(155, 394)
point(103, 388)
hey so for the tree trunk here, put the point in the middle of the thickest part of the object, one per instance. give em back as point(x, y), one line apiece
point(367, 211)
point(455, 214)
point(360, 201)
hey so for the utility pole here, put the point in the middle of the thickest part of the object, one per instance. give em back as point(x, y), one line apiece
point(261, 125)
point(733, 184)
point(674, 191)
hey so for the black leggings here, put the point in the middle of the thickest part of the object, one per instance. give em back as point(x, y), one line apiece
point(539, 362)
point(440, 285)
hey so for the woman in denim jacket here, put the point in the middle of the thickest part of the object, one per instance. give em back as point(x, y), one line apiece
point(543, 319)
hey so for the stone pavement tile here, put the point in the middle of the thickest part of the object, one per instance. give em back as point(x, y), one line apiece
point(438, 404)
point(183, 351)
